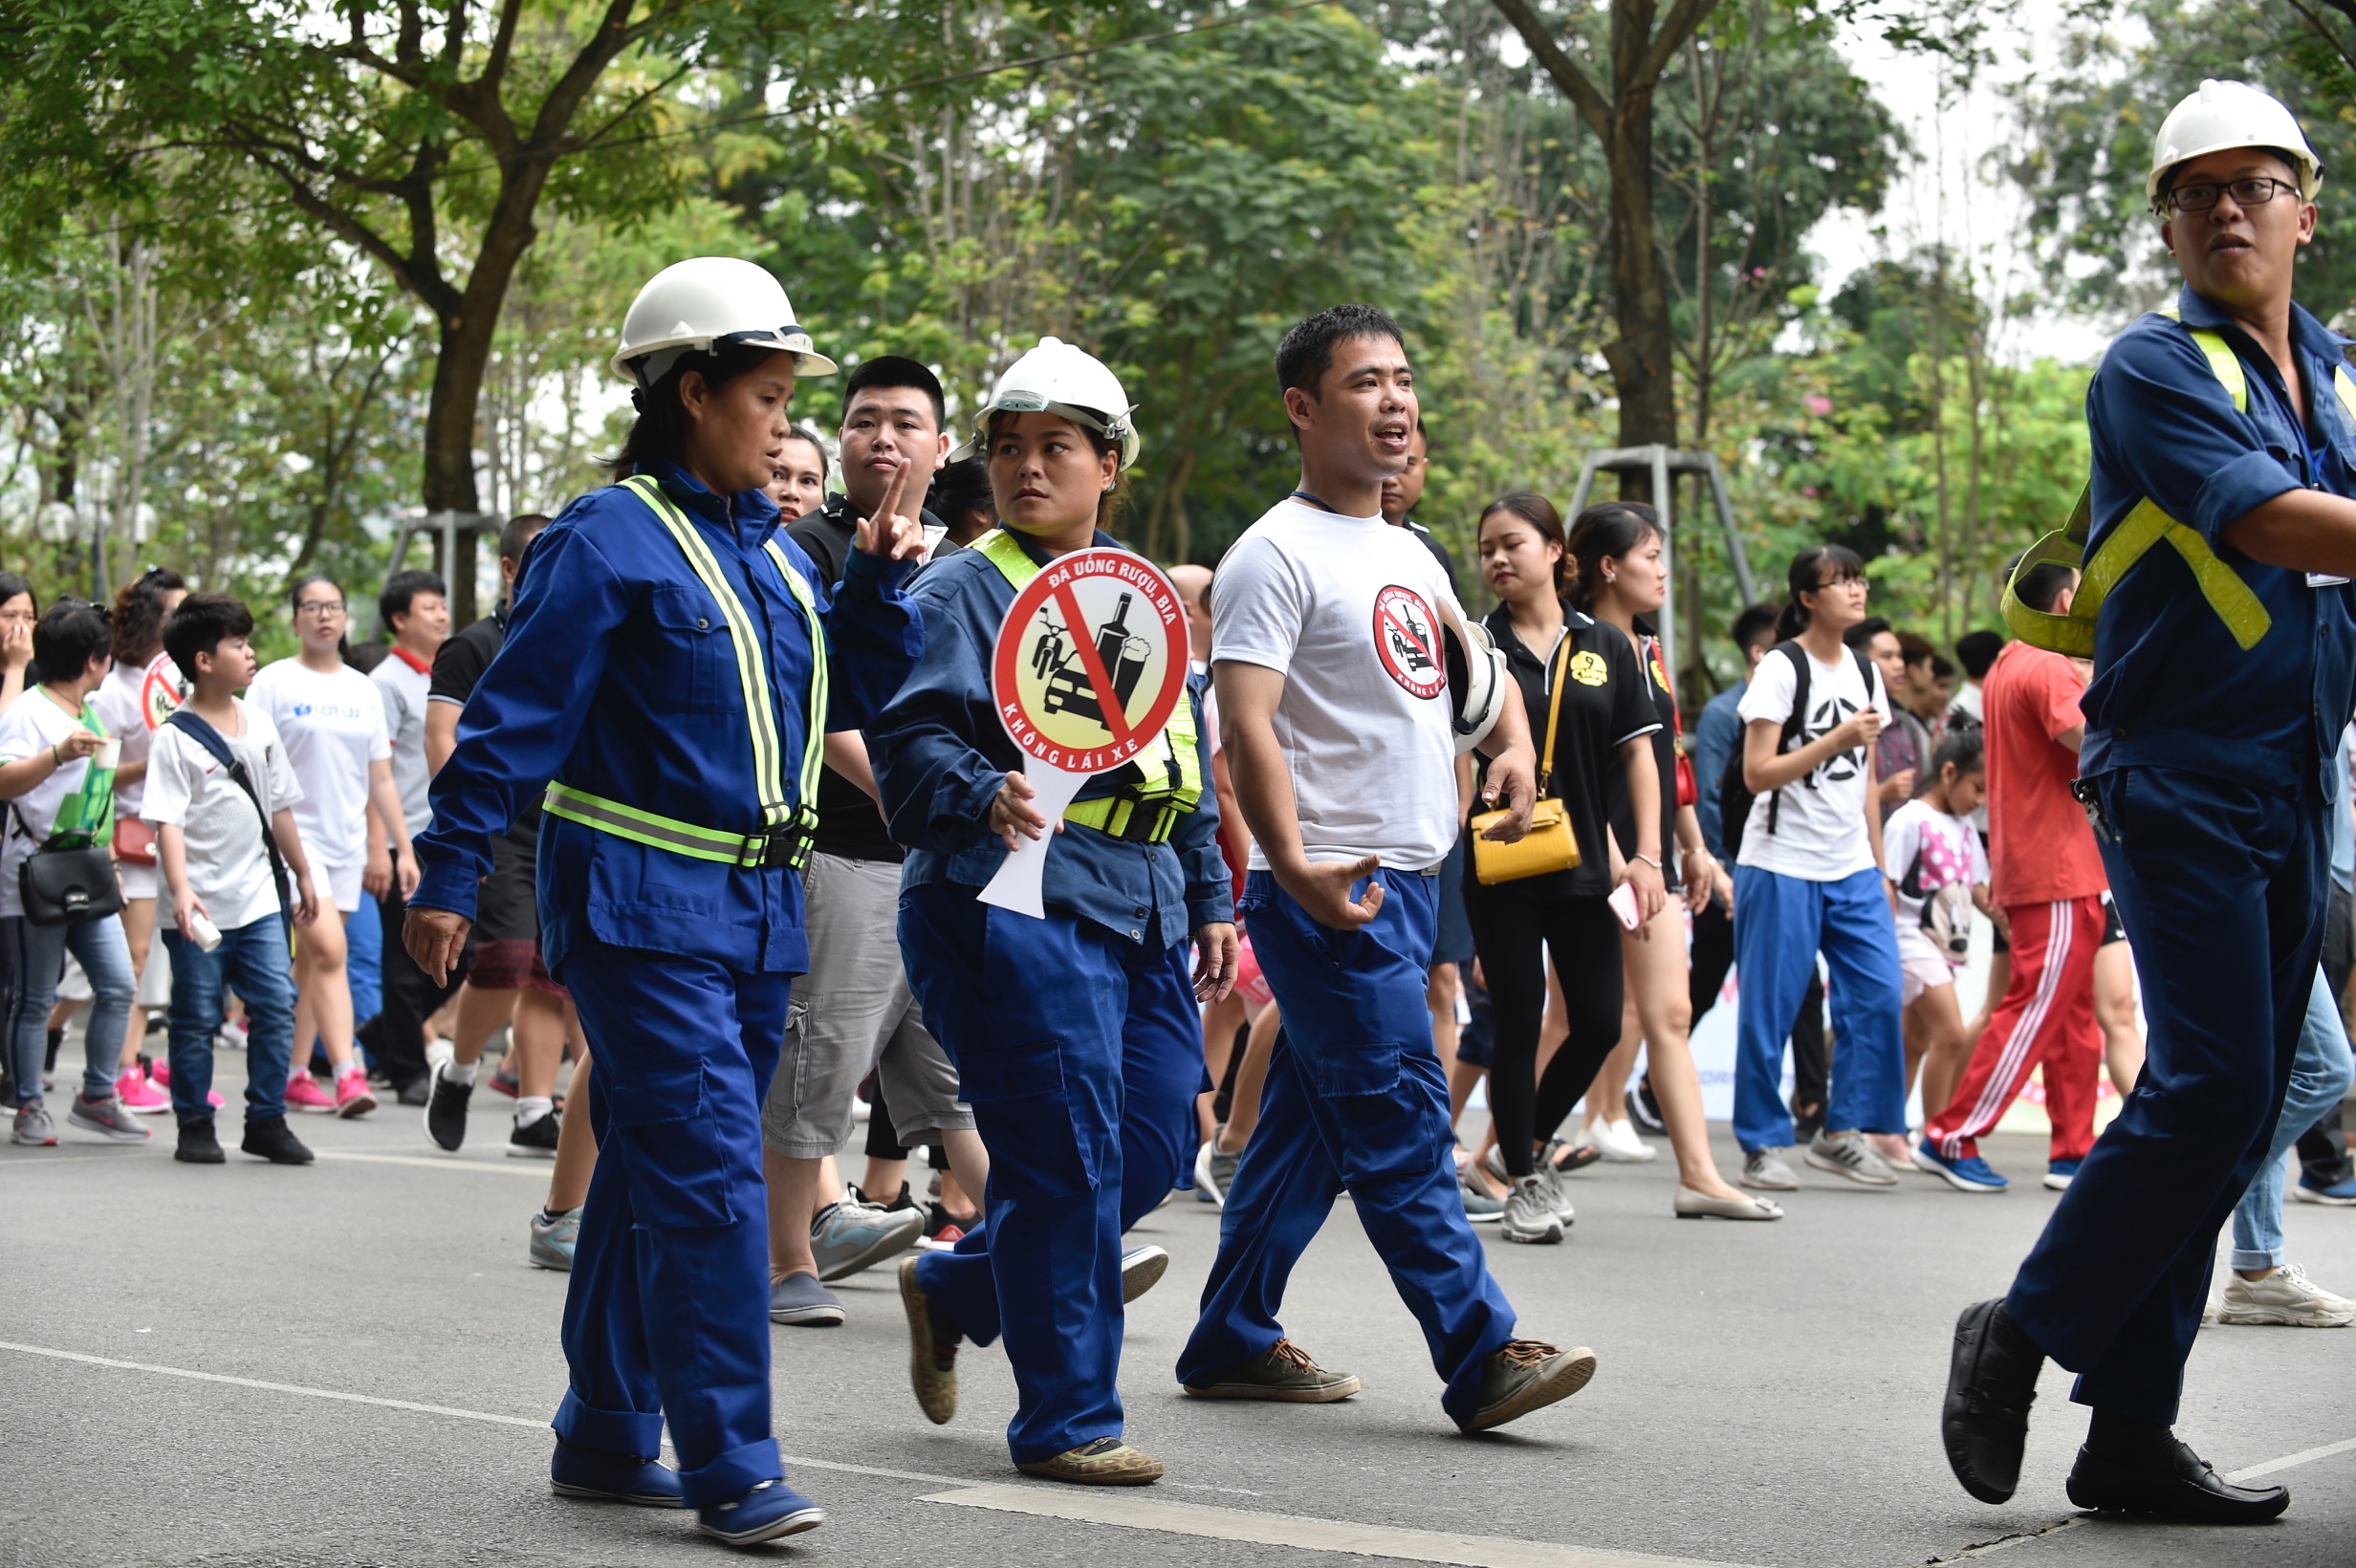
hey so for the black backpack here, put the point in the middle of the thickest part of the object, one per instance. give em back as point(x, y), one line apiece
point(1734, 797)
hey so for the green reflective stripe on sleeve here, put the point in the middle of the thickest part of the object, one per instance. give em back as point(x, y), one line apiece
point(752, 668)
point(645, 827)
point(813, 747)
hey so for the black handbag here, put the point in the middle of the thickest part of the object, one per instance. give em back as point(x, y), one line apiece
point(63, 882)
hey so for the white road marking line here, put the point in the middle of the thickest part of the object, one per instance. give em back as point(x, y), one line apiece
point(1135, 1510)
point(2303, 1456)
point(502, 1167)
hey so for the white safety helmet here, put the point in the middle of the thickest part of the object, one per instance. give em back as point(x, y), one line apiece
point(705, 303)
point(2230, 114)
point(1065, 379)
point(1477, 678)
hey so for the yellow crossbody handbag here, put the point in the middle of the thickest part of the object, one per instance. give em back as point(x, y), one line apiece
point(1548, 845)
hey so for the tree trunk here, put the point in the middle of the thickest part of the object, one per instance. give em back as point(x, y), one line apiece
point(1640, 357)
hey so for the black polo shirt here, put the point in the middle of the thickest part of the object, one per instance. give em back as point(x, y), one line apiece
point(1603, 707)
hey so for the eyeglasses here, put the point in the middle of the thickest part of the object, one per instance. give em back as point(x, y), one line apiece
point(2254, 191)
point(321, 607)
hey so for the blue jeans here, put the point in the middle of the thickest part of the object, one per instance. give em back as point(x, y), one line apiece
point(255, 960)
point(2320, 1077)
point(38, 955)
point(1780, 924)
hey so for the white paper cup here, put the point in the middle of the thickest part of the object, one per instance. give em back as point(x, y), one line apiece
point(203, 932)
point(110, 754)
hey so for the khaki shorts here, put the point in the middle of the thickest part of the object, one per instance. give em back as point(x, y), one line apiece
point(854, 1012)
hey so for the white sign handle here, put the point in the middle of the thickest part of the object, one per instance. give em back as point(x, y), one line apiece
point(1018, 885)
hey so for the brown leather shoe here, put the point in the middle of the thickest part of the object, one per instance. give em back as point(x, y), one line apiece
point(932, 1349)
point(1106, 1462)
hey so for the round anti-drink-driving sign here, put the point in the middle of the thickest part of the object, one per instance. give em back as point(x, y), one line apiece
point(1092, 660)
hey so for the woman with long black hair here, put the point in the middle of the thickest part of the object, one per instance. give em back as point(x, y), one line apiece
point(1621, 577)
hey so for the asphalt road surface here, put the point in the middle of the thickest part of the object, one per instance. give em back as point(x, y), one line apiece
point(352, 1363)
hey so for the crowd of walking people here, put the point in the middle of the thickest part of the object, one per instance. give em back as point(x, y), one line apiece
point(1283, 950)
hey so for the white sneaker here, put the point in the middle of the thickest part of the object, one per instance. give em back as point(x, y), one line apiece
point(1621, 1146)
point(2285, 1298)
point(441, 1050)
point(1530, 1213)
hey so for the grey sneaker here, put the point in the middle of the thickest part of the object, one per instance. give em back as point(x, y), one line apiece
point(553, 1236)
point(1284, 1373)
point(1765, 1171)
point(1557, 1196)
point(1527, 1376)
point(849, 1236)
point(109, 1116)
point(1481, 1206)
point(800, 1298)
point(1214, 1171)
point(1849, 1154)
point(34, 1127)
point(1530, 1212)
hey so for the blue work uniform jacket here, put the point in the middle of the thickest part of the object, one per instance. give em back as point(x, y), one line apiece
point(2171, 686)
point(617, 677)
point(941, 756)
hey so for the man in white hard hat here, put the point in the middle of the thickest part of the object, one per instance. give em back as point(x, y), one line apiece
point(2225, 666)
point(672, 665)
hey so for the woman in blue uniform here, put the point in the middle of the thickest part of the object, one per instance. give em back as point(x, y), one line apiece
point(672, 665)
point(1076, 1036)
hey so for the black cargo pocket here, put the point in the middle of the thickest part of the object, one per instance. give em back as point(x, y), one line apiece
point(695, 661)
point(678, 1167)
point(1024, 1114)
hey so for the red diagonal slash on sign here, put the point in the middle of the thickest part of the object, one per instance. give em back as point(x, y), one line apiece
point(1115, 718)
point(1406, 628)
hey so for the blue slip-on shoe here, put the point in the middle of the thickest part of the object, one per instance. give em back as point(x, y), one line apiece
point(798, 1299)
point(2339, 1195)
point(2059, 1173)
point(1969, 1174)
point(768, 1511)
point(603, 1477)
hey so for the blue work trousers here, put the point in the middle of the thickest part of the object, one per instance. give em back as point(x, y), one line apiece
point(1081, 1053)
point(2221, 888)
point(1780, 924)
point(1354, 1100)
point(2320, 1077)
point(667, 1317)
point(253, 958)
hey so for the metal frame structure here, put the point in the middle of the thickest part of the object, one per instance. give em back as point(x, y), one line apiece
point(1661, 463)
point(448, 525)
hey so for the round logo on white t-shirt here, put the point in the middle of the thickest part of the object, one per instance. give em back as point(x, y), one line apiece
point(1406, 636)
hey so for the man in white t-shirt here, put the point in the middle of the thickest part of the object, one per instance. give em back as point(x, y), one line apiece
point(1808, 878)
point(1333, 693)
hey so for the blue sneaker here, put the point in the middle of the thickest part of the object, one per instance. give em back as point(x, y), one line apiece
point(1969, 1174)
point(2057, 1174)
point(768, 1511)
point(2339, 1195)
point(605, 1477)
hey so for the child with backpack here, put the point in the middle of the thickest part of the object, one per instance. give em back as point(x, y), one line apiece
point(1938, 875)
point(1808, 878)
point(219, 796)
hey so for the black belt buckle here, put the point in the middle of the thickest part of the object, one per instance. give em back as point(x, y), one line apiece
point(1143, 814)
point(786, 847)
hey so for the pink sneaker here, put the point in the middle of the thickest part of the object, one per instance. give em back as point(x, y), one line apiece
point(160, 1074)
point(352, 1095)
point(304, 1094)
point(140, 1095)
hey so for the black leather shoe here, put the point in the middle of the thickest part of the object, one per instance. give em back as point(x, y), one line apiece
point(275, 1142)
point(2172, 1482)
point(198, 1144)
point(1990, 1382)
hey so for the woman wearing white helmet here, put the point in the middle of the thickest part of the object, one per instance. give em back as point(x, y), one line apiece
point(1076, 1036)
point(665, 680)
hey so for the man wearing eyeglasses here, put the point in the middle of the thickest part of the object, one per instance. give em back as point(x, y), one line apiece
point(2217, 610)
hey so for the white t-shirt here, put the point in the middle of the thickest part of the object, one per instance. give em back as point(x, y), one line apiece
point(133, 701)
point(1950, 857)
point(1349, 609)
point(29, 726)
point(333, 727)
point(403, 689)
point(1820, 830)
point(228, 867)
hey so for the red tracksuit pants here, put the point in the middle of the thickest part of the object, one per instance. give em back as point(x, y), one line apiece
point(2046, 1017)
